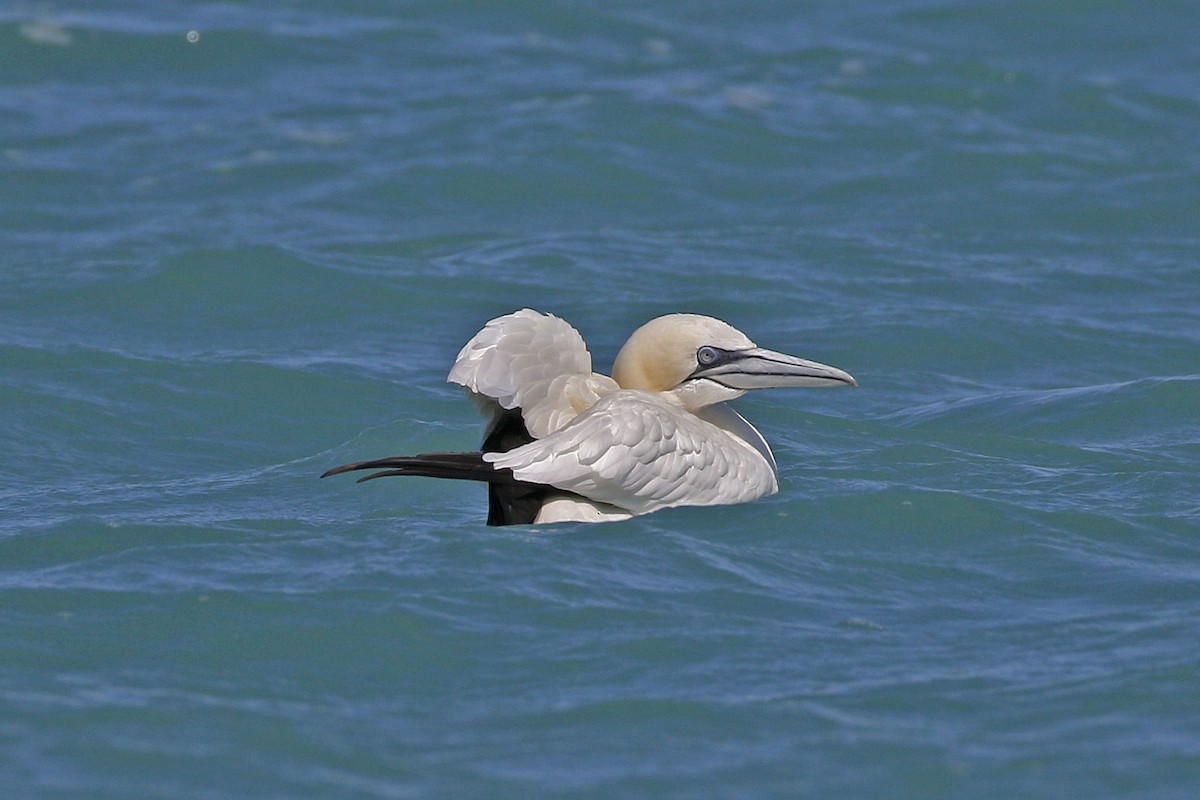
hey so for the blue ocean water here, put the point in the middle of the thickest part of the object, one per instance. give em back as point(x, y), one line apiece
point(242, 243)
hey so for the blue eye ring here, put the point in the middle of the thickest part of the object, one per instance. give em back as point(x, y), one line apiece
point(707, 356)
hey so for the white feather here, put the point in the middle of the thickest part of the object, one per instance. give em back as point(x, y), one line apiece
point(533, 362)
point(640, 451)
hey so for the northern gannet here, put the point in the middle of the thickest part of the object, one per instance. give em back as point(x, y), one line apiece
point(563, 443)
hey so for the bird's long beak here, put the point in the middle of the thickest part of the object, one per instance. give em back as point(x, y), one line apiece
point(757, 368)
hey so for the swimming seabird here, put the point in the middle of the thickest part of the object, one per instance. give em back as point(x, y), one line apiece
point(563, 443)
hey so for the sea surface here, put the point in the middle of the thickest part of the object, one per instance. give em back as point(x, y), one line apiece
point(242, 242)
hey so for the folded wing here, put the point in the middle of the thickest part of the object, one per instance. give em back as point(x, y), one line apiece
point(639, 452)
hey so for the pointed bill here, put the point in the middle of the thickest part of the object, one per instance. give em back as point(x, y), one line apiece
point(758, 368)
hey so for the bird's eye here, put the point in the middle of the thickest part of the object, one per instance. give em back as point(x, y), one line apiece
point(707, 356)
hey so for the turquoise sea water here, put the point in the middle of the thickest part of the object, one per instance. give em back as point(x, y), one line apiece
point(240, 244)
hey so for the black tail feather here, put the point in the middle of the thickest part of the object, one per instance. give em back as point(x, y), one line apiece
point(455, 466)
point(511, 501)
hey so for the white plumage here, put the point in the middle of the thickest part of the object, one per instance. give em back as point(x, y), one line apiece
point(565, 443)
point(639, 451)
point(533, 362)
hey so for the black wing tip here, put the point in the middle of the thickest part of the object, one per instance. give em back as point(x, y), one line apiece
point(388, 462)
point(383, 474)
point(510, 501)
point(375, 463)
point(463, 466)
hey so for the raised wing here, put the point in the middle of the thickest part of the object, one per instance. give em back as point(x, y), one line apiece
point(637, 451)
point(533, 362)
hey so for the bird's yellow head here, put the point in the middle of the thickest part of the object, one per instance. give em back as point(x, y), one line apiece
point(701, 361)
point(664, 353)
